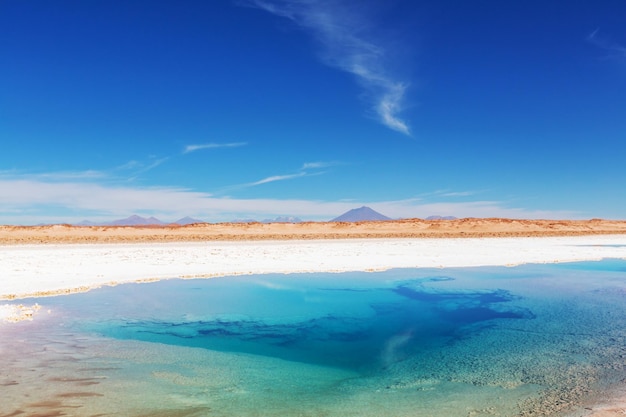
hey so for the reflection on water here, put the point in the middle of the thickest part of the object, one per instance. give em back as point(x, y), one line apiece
point(529, 340)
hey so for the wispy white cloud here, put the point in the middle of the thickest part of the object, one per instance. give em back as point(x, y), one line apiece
point(308, 169)
point(446, 193)
point(130, 165)
point(458, 194)
point(87, 175)
point(137, 167)
point(605, 42)
point(120, 173)
point(152, 163)
point(132, 169)
point(32, 201)
point(344, 31)
point(193, 148)
point(319, 165)
point(308, 165)
point(275, 178)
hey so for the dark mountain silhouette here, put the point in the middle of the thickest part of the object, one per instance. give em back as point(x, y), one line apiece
point(360, 214)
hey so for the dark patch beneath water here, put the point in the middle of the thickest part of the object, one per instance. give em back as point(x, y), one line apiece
point(465, 307)
point(424, 294)
point(478, 314)
point(338, 338)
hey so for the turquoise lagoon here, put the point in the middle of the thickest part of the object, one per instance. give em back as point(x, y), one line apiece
point(531, 340)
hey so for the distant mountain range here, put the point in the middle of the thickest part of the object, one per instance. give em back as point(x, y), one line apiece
point(136, 220)
point(283, 219)
point(367, 214)
point(355, 215)
point(360, 214)
point(440, 218)
point(280, 219)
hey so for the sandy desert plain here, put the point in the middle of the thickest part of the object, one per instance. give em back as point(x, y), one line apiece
point(60, 259)
point(407, 228)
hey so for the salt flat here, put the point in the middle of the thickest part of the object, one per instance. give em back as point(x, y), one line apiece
point(37, 270)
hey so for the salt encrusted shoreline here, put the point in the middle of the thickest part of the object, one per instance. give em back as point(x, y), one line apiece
point(13, 313)
point(42, 270)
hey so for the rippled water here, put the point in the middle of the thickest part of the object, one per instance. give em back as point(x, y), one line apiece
point(494, 341)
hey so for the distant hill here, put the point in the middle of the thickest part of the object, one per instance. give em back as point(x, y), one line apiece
point(188, 220)
point(283, 219)
point(136, 220)
point(86, 223)
point(440, 218)
point(280, 219)
point(360, 214)
point(244, 221)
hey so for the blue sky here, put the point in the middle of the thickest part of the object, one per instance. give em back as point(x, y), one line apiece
point(232, 109)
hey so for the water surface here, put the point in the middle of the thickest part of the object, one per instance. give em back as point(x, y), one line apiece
point(493, 341)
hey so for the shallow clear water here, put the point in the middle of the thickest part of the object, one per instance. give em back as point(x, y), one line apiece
point(493, 341)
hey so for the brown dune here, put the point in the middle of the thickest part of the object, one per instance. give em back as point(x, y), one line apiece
point(408, 228)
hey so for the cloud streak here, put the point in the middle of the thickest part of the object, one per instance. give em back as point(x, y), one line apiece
point(194, 148)
point(348, 45)
point(278, 178)
point(318, 165)
point(32, 201)
point(606, 43)
point(304, 171)
point(88, 175)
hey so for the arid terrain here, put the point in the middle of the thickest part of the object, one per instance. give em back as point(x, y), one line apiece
point(409, 228)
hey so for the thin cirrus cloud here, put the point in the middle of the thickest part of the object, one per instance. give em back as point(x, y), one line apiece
point(348, 46)
point(275, 178)
point(308, 169)
point(458, 194)
point(602, 41)
point(318, 165)
point(199, 147)
point(153, 163)
point(26, 200)
point(87, 175)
